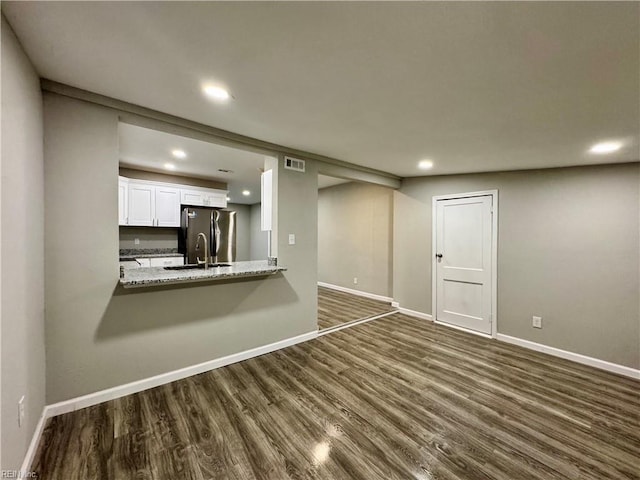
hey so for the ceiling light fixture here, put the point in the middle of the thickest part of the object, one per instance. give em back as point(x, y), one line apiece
point(246, 193)
point(425, 164)
point(169, 166)
point(606, 147)
point(217, 93)
point(179, 153)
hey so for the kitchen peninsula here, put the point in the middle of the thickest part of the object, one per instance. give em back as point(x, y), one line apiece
point(155, 276)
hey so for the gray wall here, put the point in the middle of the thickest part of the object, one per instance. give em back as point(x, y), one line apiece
point(22, 312)
point(259, 239)
point(100, 336)
point(568, 247)
point(243, 231)
point(355, 222)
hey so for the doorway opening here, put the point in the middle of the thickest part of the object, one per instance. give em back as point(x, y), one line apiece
point(354, 252)
point(185, 201)
point(464, 256)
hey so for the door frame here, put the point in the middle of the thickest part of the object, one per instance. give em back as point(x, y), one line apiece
point(494, 257)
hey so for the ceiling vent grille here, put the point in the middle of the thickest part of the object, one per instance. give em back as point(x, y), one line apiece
point(294, 164)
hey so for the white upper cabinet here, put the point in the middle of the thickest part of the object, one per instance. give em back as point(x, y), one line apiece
point(153, 204)
point(193, 198)
point(203, 197)
point(266, 211)
point(167, 207)
point(123, 204)
point(142, 204)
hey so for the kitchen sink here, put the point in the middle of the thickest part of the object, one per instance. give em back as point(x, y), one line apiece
point(192, 266)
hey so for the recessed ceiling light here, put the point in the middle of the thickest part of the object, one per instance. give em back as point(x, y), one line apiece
point(246, 193)
point(425, 164)
point(606, 147)
point(169, 166)
point(217, 93)
point(179, 153)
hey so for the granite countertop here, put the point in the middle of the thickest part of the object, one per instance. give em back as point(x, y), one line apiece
point(153, 276)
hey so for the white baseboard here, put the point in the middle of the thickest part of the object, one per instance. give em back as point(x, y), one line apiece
point(147, 383)
point(576, 357)
point(33, 446)
point(164, 378)
point(372, 296)
point(414, 313)
point(395, 304)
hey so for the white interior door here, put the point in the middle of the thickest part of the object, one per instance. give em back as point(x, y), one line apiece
point(464, 262)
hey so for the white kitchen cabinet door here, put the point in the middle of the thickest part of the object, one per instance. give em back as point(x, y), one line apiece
point(266, 212)
point(167, 207)
point(192, 197)
point(217, 200)
point(123, 204)
point(203, 198)
point(142, 204)
point(166, 261)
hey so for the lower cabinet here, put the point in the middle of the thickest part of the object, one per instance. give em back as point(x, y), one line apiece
point(159, 261)
point(166, 261)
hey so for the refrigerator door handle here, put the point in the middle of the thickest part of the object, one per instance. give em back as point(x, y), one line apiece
point(217, 240)
point(215, 236)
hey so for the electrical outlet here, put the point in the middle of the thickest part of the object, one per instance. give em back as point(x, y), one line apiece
point(21, 411)
point(136, 241)
point(537, 322)
point(355, 280)
point(292, 239)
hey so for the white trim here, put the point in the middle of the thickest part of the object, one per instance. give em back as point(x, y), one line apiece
point(353, 323)
point(395, 304)
point(576, 357)
point(164, 378)
point(494, 253)
point(462, 329)
point(415, 313)
point(35, 441)
point(373, 296)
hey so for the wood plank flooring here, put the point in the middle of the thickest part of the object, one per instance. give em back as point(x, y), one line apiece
point(337, 308)
point(394, 398)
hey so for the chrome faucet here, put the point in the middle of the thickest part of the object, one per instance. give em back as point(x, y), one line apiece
point(206, 250)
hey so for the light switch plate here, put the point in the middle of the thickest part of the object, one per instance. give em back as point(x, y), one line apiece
point(292, 239)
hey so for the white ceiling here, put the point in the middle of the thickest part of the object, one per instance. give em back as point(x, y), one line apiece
point(474, 86)
point(151, 150)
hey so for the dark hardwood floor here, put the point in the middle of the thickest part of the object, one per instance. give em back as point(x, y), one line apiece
point(336, 308)
point(394, 398)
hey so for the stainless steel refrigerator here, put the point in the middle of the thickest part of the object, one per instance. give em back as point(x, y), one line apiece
point(219, 227)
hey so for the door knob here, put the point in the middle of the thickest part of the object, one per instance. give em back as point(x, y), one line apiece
point(438, 255)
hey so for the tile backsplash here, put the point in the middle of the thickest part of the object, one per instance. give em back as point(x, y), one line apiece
point(149, 238)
